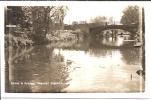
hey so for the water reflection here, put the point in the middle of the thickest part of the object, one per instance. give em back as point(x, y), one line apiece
point(110, 41)
point(42, 69)
point(82, 67)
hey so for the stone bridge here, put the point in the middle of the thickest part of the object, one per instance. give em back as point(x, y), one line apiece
point(94, 28)
point(130, 28)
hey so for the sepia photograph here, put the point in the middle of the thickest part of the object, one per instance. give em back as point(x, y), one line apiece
point(86, 48)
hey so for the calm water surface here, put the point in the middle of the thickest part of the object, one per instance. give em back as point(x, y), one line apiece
point(75, 67)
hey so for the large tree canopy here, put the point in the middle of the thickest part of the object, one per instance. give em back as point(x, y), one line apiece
point(130, 15)
point(38, 19)
point(43, 19)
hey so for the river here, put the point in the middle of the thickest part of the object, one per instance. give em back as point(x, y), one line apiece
point(88, 66)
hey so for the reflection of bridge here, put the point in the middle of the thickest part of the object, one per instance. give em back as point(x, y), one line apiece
point(130, 28)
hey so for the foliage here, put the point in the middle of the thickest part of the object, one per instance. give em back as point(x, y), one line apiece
point(98, 19)
point(43, 19)
point(130, 15)
point(15, 15)
point(35, 20)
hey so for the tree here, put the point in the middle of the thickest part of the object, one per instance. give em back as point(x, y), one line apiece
point(56, 18)
point(38, 19)
point(44, 18)
point(15, 15)
point(130, 15)
point(98, 19)
point(28, 16)
point(111, 20)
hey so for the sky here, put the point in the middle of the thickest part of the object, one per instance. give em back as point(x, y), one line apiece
point(84, 11)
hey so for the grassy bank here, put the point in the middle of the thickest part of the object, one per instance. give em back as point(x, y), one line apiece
point(64, 35)
point(17, 41)
point(23, 39)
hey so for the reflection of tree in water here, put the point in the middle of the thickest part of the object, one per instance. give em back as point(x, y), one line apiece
point(131, 55)
point(99, 52)
point(97, 49)
point(13, 56)
point(40, 65)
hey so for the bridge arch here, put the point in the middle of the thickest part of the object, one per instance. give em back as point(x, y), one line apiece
point(130, 28)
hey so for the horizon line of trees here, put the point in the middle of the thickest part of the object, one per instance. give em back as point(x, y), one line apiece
point(130, 16)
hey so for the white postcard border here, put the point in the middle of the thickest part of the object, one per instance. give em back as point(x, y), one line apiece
point(146, 94)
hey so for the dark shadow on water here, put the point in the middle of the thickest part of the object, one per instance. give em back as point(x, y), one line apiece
point(39, 65)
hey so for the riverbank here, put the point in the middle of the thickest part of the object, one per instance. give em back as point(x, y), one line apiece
point(21, 40)
point(64, 35)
